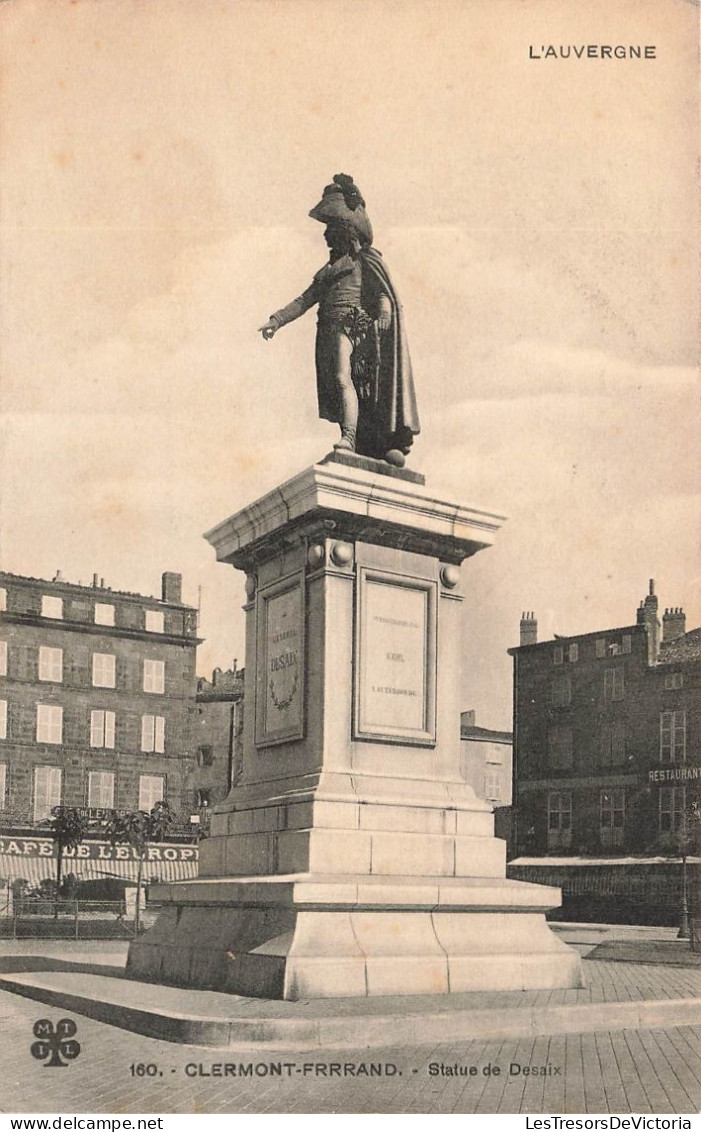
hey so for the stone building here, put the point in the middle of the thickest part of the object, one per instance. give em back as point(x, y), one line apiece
point(486, 763)
point(607, 754)
point(97, 697)
point(485, 759)
point(217, 740)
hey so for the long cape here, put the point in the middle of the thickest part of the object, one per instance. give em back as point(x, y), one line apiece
point(395, 412)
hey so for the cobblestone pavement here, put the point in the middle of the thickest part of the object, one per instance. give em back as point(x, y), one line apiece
point(627, 1071)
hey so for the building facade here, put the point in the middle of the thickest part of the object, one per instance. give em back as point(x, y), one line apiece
point(97, 697)
point(218, 740)
point(607, 754)
point(486, 758)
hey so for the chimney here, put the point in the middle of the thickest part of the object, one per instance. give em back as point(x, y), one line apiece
point(95, 582)
point(647, 615)
point(467, 718)
point(171, 588)
point(673, 624)
point(529, 629)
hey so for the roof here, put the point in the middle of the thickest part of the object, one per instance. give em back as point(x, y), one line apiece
point(105, 591)
point(576, 638)
point(686, 647)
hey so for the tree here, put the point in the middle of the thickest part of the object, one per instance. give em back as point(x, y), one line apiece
point(68, 828)
point(140, 829)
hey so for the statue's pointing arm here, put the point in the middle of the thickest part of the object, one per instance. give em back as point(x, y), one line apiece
point(292, 311)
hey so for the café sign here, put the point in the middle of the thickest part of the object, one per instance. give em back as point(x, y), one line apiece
point(94, 850)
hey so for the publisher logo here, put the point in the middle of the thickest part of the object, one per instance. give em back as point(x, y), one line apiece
point(55, 1043)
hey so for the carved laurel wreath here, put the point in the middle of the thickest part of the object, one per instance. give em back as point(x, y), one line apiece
point(282, 705)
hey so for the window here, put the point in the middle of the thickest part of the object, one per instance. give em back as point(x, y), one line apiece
point(151, 790)
point(49, 723)
point(612, 746)
point(3, 719)
point(205, 756)
point(672, 805)
point(50, 664)
point(203, 798)
point(492, 783)
point(104, 614)
point(613, 683)
point(627, 643)
point(559, 819)
point(558, 654)
point(102, 728)
point(52, 607)
point(154, 621)
point(573, 653)
point(611, 817)
point(561, 691)
point(672, 736)
point(560, 746)
point(3, 598)
point(101, 789)
point(153, 729)
point(674, 680)
point(154, 676)
point(3, 658)
point(103, 670)
point(47, 790)
point(3, 784)
point(600, 648)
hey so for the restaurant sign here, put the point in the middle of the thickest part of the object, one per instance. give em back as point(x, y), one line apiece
point(674, 774)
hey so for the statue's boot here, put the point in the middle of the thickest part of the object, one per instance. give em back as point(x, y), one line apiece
point(347, 441)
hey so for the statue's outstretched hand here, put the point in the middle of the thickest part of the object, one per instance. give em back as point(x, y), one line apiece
point(268, 329)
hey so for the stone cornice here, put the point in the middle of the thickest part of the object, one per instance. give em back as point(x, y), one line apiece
point(361, 504)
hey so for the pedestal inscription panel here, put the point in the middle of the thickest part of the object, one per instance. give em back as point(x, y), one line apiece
point(395, 678)
point(280, 641)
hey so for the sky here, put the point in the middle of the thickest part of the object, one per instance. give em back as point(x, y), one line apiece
point(158, 164)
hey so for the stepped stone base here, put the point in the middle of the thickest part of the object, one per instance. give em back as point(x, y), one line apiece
point(306, 936)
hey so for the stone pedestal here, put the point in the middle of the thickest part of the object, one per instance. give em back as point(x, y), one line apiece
point(352, 858)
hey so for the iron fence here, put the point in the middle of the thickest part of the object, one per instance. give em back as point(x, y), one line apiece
point(34, 918)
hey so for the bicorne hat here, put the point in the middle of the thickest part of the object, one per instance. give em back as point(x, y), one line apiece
point(342, 203)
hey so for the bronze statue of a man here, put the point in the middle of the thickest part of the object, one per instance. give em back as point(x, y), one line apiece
point(363, 371)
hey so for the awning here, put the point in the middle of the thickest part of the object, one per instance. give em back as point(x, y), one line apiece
point(34, 859)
